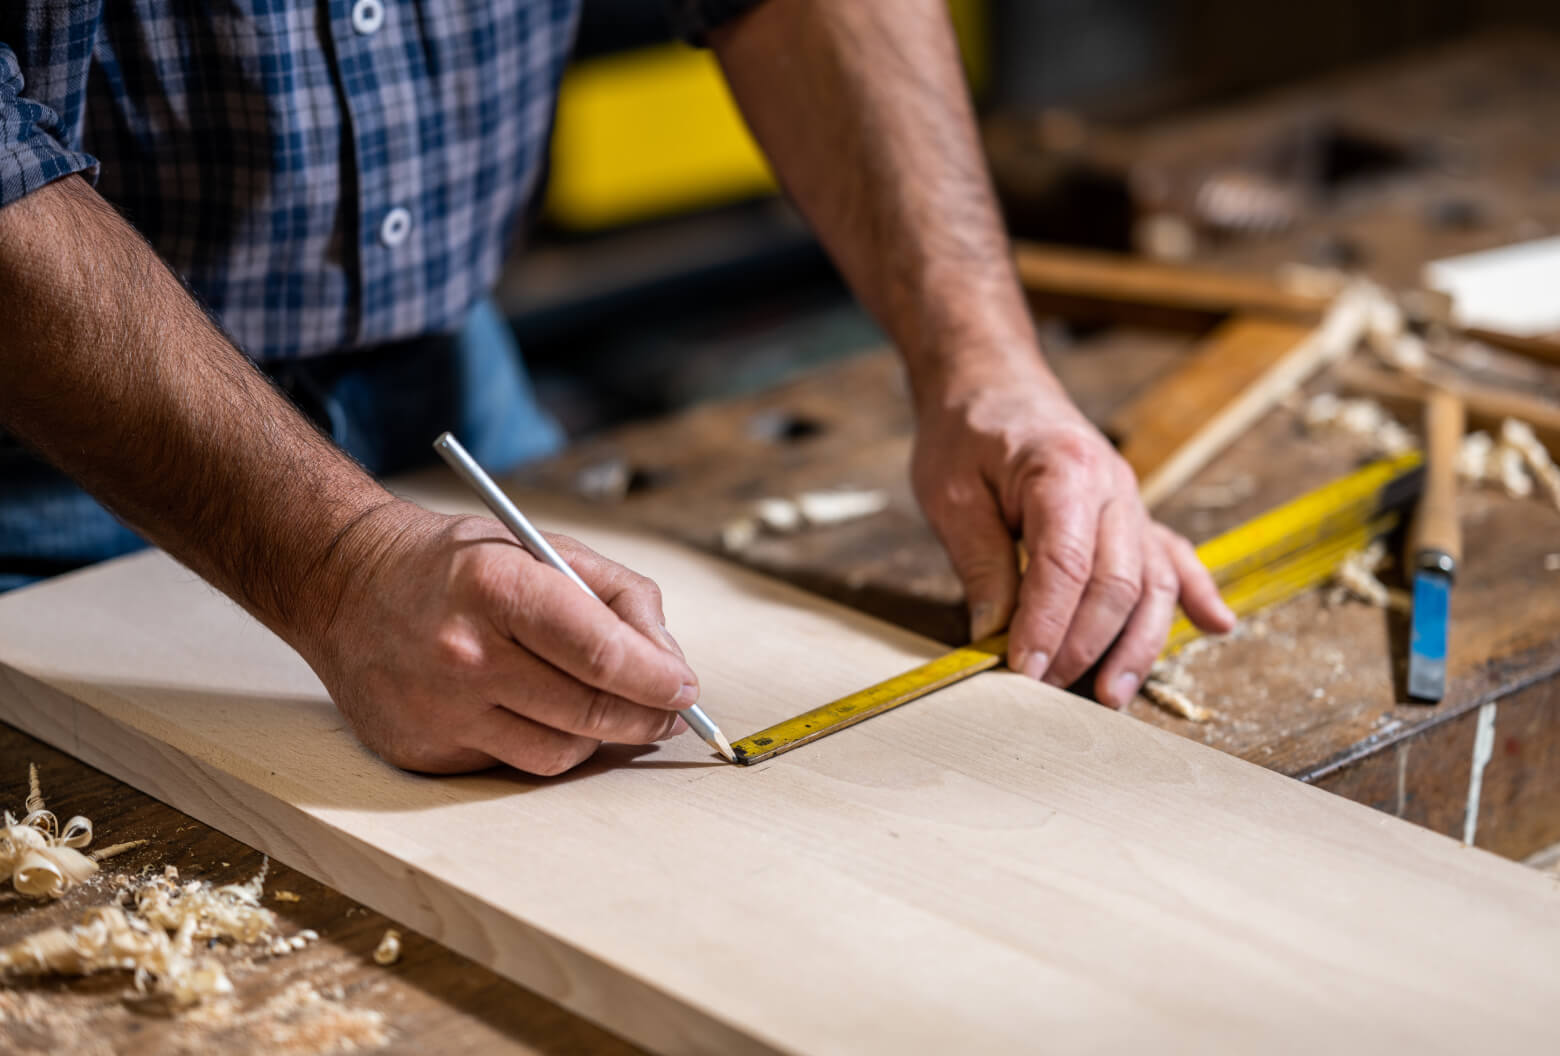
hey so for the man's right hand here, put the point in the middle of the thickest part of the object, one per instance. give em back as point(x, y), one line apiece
point(452, 649)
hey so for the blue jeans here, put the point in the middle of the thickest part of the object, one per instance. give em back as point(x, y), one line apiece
point(384, 407)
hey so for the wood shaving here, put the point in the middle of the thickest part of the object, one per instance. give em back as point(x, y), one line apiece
point(39, 858)
point(810, 509)
point(1356, 577)
point(739, 534)
point(780, 516)
point(1512, 463)
point(1518, 436)
point(48, 1025)
point(1384, 323)
point(103, 854)
point(158, 940)
point(285, 896)
point(1363, 418)
point(301, 1020)
point(1511, 473)
point(821, 508)
point(1474, 456)
point(1174, 700)
point(389, 949)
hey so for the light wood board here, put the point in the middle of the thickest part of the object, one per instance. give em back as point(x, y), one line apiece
point(998, 868)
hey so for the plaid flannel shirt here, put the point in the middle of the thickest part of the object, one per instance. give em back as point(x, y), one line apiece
point(324, 174)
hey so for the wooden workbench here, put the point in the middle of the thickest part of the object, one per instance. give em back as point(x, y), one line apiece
point(1315, 692)
point(1311, 690)
point(1316, 697)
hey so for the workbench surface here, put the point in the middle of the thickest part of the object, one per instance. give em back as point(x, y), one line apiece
point(1310, 690)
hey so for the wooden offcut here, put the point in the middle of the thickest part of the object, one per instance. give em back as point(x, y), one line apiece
point(1273, 375)
point(996, 868)
point(1160, 423)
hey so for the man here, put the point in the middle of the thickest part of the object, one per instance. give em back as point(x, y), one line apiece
point(334, 181)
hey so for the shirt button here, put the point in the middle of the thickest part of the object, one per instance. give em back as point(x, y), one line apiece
point(368, 16)
point(394, 228)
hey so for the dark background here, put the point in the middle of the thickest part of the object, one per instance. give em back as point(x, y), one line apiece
point(641, 321)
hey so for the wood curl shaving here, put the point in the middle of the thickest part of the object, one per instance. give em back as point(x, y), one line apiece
point(1356, 578)
point(389, 949)
point(780, 515)
point(1518, 436)
point(41, 859)
point(1174, 699)
point(1363, 418)
point(160, 939)
point(1512, 463)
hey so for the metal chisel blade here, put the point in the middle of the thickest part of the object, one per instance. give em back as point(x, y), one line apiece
point(1427, 638)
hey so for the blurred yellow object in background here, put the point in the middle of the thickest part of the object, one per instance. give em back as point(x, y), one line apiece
point(653, 132)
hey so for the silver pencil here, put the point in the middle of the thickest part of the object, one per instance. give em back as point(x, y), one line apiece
point(466, 468)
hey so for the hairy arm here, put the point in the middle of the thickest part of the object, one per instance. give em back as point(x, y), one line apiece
point(862, 109)
point(861, 106)
point(445, 645)
point(112, 371)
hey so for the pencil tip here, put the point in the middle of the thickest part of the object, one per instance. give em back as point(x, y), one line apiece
point(725, 747)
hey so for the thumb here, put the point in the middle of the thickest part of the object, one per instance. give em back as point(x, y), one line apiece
point(981, 548)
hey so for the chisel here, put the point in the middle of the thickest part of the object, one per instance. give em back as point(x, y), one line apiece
point(1435, 547)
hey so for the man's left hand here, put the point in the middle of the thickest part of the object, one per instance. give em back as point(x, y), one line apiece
point(1009, 457)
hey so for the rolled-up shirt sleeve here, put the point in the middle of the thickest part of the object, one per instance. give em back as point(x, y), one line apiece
point(692, 19)
point(45, 53)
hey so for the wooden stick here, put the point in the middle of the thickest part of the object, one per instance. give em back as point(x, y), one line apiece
point(1122, 279)
point(1435, 528)
point(1543, 349)
point(1339, 332)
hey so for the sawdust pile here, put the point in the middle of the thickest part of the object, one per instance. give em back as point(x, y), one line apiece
point(301, 1020)
point(48, 1026)
point(162, 938)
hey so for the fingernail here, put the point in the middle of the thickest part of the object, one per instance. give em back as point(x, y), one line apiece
point(1033, 664)
point(687, 697)
point(1122, 690)
point(679, 727)
point(984, 620)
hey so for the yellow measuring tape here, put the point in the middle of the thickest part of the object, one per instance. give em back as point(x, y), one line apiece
point(1269, 559)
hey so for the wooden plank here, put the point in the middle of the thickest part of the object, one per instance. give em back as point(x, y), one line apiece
point(1000, 865)
point(1236, 356)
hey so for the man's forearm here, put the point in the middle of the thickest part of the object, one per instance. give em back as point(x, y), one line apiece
point(863, 111)
point(112, 372)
